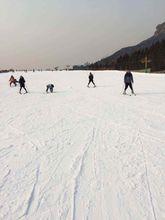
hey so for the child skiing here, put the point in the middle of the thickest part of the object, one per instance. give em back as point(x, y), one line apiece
point(91, 77)
point(49, 87)
point(12, 80)
point(22, 84)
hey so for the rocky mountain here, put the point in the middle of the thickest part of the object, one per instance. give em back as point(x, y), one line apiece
point(131, 57)
point(158, 36)
point(160, 29)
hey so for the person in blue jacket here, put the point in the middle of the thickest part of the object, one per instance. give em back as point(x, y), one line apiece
point(128, 81)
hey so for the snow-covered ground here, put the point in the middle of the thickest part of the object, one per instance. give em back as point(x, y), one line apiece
point(80, 153)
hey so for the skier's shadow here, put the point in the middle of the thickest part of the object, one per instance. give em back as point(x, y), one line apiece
point(44, 92)
point(60, 91)
point(151, 93)
point(106, 86)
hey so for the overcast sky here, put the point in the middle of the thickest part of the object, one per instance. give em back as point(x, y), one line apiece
point(49, 33)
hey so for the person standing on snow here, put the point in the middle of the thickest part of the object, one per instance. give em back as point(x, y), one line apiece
point(91, 77)
point(128, 80)
point(22, 84)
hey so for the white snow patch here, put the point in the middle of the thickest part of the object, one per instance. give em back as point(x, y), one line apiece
point(82, 153)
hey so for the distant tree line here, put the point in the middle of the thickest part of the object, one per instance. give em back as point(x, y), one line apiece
point(134, 61)
point(6, 71)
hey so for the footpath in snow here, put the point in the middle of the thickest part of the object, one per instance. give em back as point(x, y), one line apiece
point(82, 153)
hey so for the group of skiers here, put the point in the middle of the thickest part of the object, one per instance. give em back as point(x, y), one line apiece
point(128, 81)
point(21, 82)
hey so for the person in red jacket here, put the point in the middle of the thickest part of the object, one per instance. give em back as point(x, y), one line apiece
point(12, 80)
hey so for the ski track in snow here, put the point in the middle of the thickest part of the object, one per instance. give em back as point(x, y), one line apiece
point(78, 176)
point(82, 153)
point(32, 194)
point(147, 180)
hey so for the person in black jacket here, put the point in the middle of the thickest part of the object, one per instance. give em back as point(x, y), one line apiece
point(91, 77)
point(22, 84)
point(49, 87)
point(128, 80)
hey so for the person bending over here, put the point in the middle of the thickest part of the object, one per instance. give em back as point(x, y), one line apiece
point(12, 80)
point(50, 88)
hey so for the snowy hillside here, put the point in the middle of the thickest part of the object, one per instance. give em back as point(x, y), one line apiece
point(82, 153)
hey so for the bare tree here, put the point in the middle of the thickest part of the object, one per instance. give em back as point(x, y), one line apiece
point(56, 68)
point(67, 67)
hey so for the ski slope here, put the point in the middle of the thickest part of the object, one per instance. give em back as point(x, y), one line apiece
point(82, 153)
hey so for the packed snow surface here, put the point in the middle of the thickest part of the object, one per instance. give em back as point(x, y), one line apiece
point(82, 153)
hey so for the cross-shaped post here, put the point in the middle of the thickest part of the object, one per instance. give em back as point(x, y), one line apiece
point(146, 61)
